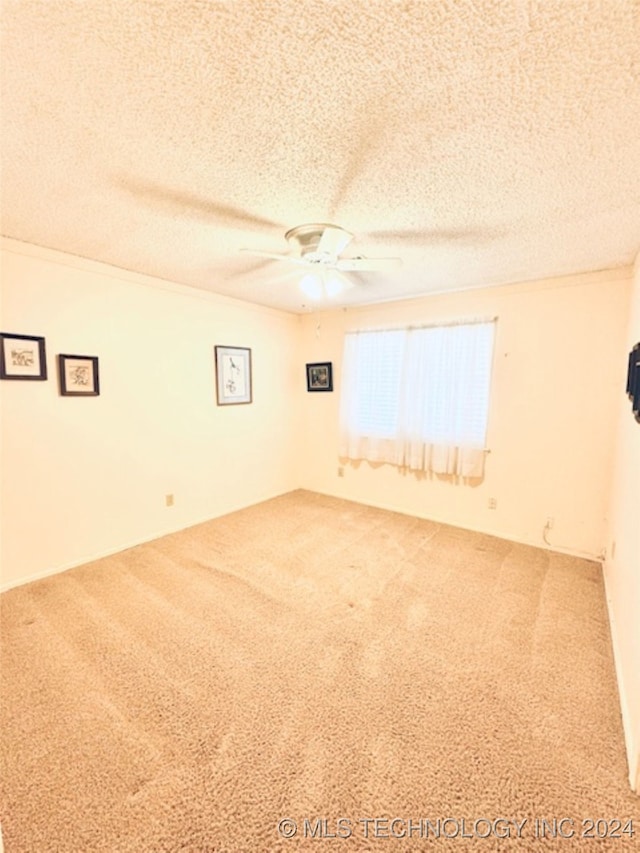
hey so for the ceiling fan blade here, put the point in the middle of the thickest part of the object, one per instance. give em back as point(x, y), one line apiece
point(276, 257)
point(251, 269)
point(433, 235)
point(361, 279)
point(367, 264)
point(180, 202)
point(367, 137)
point(333, 240)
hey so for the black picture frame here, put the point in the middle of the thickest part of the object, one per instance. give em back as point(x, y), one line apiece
point(633, 380)
point(79, 375)
point(22, 357)
point(631, 372)
point(320, 376)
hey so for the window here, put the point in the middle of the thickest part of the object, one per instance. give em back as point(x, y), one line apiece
point(418, 398)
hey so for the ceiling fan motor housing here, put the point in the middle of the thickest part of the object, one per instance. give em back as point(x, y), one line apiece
point(319, 242)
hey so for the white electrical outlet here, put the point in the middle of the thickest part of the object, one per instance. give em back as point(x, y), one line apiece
point(492, 503)
point(168, 499)
point(340, 471)
point(550, 522)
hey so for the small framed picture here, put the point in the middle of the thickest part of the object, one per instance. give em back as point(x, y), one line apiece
point(233, 375)
point(319, 376)
point(78, 375)
point(633, 380)
point(22, 357)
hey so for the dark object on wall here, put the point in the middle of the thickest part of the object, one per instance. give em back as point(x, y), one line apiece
point(233, 375)
point(22, 357)
point(633, 380)
point(78, 375)
point(319, 376)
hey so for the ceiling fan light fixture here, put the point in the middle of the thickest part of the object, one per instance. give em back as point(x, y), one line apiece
point(324, 284)
point(311, 285)
point(334, 283)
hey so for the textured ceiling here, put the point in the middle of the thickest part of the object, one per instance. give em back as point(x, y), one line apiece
point(482, 141)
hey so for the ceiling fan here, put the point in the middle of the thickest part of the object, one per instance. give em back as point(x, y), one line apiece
point(317, 247)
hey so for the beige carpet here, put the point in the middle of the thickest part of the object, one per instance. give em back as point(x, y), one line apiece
point(312, 658)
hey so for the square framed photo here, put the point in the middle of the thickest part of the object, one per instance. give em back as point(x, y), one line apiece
point(78, 375)
point(233, 375)
point(22, 357)
point(319, 376)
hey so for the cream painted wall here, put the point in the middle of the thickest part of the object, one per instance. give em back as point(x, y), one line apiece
point(82, 477)
point(553, 409)
point(86, 477)
point(622, 567)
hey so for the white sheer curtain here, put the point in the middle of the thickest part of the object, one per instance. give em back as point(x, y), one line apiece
point(418, 398)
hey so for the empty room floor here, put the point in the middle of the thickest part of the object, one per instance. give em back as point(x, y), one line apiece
point(322, 663)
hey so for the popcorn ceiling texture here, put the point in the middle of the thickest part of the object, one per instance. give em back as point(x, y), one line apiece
point(308, 657)
point(482, 142)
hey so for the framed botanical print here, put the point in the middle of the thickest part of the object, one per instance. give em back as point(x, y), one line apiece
point(22, 357)
point(233, 375)
point(78, 375)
